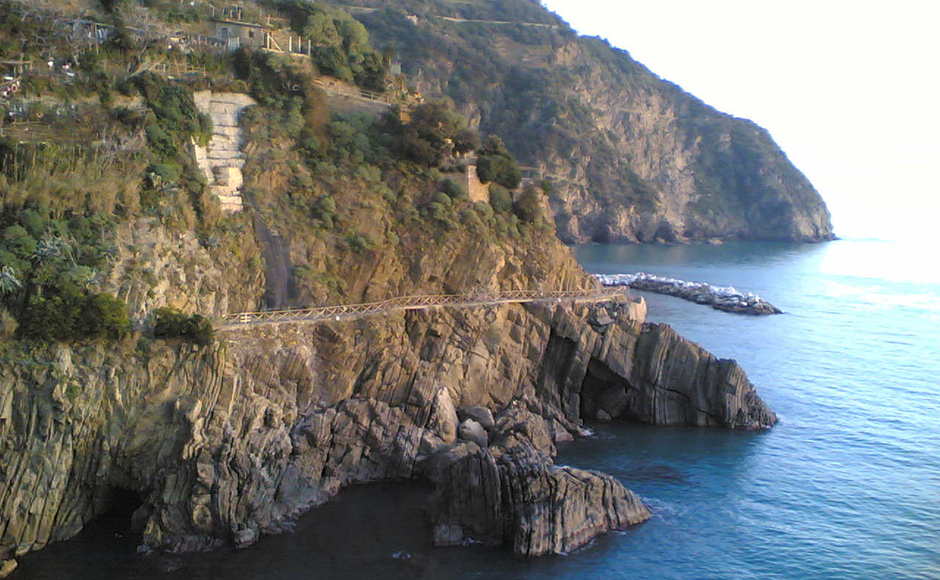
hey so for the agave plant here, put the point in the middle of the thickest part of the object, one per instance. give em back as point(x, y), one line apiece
point(49, 248)
point(9, 282)
point(87, 278)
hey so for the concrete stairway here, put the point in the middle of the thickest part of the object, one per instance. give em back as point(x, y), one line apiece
point(222, 160)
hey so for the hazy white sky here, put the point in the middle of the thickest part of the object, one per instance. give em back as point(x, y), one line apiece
point(849, 90)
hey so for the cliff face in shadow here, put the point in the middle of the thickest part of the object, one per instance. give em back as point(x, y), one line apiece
point(225, 443)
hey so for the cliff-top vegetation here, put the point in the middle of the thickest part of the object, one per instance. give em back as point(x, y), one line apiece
point(97, 144)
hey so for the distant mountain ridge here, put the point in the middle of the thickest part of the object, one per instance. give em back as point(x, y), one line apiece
point(633, 157)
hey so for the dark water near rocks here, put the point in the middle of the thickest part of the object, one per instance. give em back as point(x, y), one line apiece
point(847, 486)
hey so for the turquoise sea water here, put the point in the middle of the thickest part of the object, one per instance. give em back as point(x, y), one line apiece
point(846, 486)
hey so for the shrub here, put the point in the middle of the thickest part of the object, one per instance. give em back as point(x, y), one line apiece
point(546, 186)
point(170, 323)
point(528, 206)
point(70, 315)
point(358, 243)
point(104, 316)
point(500, 198)
point(453, 189)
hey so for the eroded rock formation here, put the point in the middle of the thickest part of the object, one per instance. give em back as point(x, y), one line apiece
point(228, 442)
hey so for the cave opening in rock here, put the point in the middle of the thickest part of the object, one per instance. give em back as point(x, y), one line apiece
point(125, 513)
point(605, 395)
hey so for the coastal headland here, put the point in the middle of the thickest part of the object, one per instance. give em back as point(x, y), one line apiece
point(175, 178)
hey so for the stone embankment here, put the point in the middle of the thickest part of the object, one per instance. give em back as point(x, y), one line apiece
point(222, 160)
point(724, 298)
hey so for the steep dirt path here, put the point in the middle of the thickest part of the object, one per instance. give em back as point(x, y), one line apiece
point(278, 270)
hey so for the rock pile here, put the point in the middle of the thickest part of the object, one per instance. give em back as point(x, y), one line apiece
point(725, 298)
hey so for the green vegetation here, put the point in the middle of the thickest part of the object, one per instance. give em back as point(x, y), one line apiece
point(500, 198)
point(433, 133)
point(104, 174)
point(50, 275)
point(341, 44)
point(511, 76)
point(169, 323)
point(496, 164)
point(70, 314)
point(529, 204)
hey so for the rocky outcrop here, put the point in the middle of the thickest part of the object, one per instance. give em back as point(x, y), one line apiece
point(531, 506)
point(225, 443)
point(154, 266)
point(511, 493)
point(724, 298)
point(676, 382)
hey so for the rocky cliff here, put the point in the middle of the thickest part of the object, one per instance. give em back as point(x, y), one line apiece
point(631, 157)
point(225, 443)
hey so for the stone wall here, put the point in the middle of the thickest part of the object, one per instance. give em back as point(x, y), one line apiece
point(477, 189)
point(222, 160)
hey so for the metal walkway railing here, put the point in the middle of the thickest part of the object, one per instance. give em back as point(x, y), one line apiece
point(416, 303)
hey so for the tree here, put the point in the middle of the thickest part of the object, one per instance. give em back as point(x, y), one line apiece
point(369, 70)
point(354, 35)
point(496, 164)
point(322, 31)
point(466, 140)
point(529, 204)
point(424, 139)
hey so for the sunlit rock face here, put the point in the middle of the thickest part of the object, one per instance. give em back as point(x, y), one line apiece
point(228, 442)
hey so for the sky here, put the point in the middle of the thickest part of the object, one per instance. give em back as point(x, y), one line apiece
point(849, 90)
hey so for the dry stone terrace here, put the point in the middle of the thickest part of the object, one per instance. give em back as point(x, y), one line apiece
point(222, 160)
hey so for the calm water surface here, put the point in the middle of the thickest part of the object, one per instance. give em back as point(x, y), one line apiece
point(846, 486)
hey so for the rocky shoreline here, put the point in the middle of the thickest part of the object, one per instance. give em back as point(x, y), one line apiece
point(725, 298)
point(226, 443)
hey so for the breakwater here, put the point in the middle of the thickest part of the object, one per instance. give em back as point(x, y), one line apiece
point(725, 298)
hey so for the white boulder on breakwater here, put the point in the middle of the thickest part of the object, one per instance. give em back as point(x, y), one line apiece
point(725, 298)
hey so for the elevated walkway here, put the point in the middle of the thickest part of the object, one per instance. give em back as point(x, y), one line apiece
point(404, 303)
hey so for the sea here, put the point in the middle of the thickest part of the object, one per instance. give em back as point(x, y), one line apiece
point(846, 486)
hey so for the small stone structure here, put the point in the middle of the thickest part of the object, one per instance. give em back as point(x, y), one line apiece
point(236, 33)
point(477, 190)
point(222, 160)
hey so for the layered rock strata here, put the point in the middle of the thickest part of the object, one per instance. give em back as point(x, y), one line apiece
point(228, 442)
point(511, 494)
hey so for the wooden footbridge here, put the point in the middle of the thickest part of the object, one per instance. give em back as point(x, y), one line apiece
point(347, 311)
